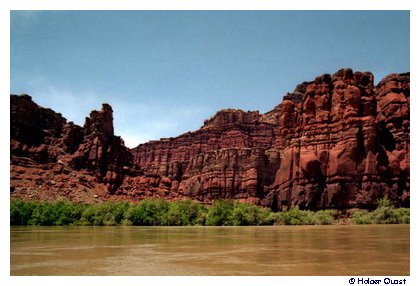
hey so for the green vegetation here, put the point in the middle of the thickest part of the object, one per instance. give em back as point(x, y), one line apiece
point(228, 212)
point(149, 212)
point(304, 217)
point(182, 213)
point(385, 213)
point(102, 214)
point(185, 213)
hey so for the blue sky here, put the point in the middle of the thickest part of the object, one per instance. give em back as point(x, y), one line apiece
point(165, 72)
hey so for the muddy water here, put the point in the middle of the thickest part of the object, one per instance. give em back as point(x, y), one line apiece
point(272, 250)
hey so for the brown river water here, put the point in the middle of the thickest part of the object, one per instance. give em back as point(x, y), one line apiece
point(264, 250)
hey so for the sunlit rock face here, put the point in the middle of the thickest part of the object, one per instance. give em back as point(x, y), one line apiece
point(338, 141)
point(335, 142)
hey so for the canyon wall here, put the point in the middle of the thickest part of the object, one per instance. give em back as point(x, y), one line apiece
point(52, 158)
point(338, 141)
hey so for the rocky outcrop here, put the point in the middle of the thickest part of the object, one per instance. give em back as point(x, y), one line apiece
point(338, 141)
point(50, 143)
point(35, 132)
point(335, 142)
point(338, 145)
point(229, 157)
point(101, 151)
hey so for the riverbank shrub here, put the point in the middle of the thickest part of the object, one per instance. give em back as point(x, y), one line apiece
point(106, 214)
point(184, 213)
point(246, 214)
point(149, 212)
point(220, 213)
point(295, 216)
point(49, 213)
point(158, 212)
point(21, 211)
point(361, 217)
point(325, 217)
point(229, 212)
point(385, 213)
point(403, 215)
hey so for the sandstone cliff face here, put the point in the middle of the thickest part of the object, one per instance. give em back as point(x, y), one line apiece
point(46, 148)
point(340, 144)
point(102, 151)
point(335, 142)
point(36, 132)
point(229, 157)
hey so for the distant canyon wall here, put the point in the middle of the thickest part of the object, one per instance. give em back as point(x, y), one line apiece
point(338, 141)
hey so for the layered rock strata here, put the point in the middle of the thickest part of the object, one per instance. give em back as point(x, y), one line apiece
point(338, 141)
point(47, 151)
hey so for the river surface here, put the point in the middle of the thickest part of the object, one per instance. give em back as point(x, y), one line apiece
point(263, 250)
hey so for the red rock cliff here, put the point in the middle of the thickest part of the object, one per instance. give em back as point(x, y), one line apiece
point(336, 142)
point(47, 152)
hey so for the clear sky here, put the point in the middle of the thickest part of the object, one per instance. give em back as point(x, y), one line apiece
point(165, 72)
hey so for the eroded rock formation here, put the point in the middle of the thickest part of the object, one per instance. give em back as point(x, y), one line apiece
point(340, 142)
point(47, 151)
point(100, 150)
point(336, 142)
